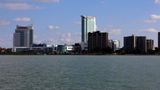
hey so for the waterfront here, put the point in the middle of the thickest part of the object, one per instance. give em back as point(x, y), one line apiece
point(79, 72)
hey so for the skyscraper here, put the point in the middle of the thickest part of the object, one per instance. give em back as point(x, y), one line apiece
point(88, 24)
point(23, 36)
point(97, 41)
point(141, 44)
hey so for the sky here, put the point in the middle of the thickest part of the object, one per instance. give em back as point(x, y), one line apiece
point(59, 22)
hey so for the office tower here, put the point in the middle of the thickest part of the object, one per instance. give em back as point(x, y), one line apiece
point(88, 24)
point(129, 43)
point(141, 45)
point(150, 44)
point(159, 40)
point(23, 36)
point(97, 41)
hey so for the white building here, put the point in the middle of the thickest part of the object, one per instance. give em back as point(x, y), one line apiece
point(114, 44)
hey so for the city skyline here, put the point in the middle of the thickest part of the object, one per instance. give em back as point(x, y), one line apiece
point(58, 21)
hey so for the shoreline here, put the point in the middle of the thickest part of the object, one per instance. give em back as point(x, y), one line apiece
point(80, 55)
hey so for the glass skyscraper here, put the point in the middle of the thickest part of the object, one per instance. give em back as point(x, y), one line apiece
point(88, 24)
point(23, 36)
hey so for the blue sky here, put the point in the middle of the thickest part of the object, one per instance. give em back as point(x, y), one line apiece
point(58, 21)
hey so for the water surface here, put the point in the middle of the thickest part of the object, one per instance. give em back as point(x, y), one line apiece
point(79, 73)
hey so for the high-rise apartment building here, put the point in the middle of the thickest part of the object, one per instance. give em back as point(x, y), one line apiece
point(135, 44)
point(23, 36)
point(141, 44)
point(97, 41)
point(129, 43)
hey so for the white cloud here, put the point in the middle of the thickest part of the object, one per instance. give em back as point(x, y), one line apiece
point(157, 1)
point(19, 6)
point(112, 30)
point(153, 19)
point(61, 38)
point(151, 30)
point(150, 21)
point(4, 22)
point(47, 1)
point(115, 31)
point(23, 19)
point(53, 27)
point(66, 38)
